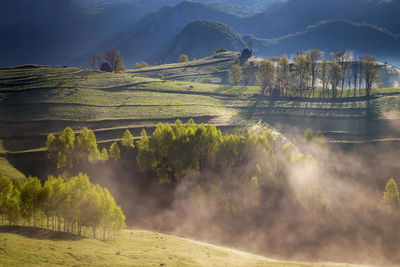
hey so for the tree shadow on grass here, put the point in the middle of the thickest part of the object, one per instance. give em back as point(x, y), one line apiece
point(39, 233)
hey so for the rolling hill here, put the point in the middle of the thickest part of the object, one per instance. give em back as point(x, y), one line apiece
point(296, 15)
point(170, 30)
point(201, 37)
point(24, 246)
point(335, 35)
point(68, 32)
point(38, 100)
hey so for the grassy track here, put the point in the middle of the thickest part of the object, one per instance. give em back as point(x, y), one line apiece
point(20, 246)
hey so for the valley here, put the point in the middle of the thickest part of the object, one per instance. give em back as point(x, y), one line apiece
point(199, 133)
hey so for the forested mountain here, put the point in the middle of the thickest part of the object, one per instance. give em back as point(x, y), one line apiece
point(295, 15)
point(201, 38)
point(334, 35)
point(55, 32)
point(154, 34)
point(67, 32)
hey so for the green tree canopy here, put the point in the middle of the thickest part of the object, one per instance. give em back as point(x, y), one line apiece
point(391, 193)
point(114, 151)
point(183, 58)
point(128, 140)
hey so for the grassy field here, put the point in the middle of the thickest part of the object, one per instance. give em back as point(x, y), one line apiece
point(24, 246)
point(9, 170)
point(38, 100)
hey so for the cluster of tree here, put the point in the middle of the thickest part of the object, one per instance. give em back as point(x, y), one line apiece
point(114, 61)
point(300, 78)
point(69, 204)
point(183, 149)
point(234, 172)
point(183, 58)
point(141, 65)
point(69, 150)
point(221, 50)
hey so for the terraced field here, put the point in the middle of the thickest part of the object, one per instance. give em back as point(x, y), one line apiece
point(38, 100)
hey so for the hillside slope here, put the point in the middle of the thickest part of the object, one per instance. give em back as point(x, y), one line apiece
point(68, 32)
point(214, 69)
point(154, 34)
point(20, 246)
point(38, 100)
point(296, 15)
point(335, 35)
point(201, 38)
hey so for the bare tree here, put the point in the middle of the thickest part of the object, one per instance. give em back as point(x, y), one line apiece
point(99, 58)
point(265, 75)
point(324, 75)
point(301, 68)
point(248, 71)
point(355, 71)
point(343, 58)
point(335, 75)
point(349, 78)
point(314, 56)
point(114, 57)
point(283, 74)
point(119, 66)
point(235, 74)
point(111, 56)
point(92, 61)
point(371, 73)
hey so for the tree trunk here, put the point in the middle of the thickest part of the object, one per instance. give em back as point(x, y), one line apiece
point(104, 234)
point(48, 222)
point(34, 219)
point(59, 223)
point(94, 232)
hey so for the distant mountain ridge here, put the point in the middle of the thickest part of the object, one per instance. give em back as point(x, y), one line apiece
point(200, 37)
point(67, 32)
point(328, 36)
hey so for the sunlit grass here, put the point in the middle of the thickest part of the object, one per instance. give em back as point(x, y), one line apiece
point(131, 248)
point(10, 171)
point(38, 101)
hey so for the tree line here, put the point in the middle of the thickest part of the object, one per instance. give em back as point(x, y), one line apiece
point(175, 151)
point(222, 169)
point(69, 204)
point(278, 77)
point(70, 149)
